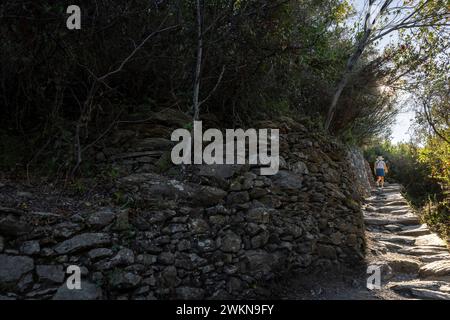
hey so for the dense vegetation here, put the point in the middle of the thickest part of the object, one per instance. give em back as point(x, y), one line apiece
point(236, 60)
point(61, 89)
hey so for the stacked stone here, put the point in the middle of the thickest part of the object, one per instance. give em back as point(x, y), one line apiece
point(220, 231)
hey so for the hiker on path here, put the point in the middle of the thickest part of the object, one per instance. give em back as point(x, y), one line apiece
point(380, 170)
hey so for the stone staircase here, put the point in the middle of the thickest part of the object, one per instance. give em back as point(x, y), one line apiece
point(415, 263)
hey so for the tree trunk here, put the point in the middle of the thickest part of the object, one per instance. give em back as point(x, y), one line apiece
point(195, 98)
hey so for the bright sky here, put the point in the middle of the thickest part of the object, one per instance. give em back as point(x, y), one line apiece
point(400, 129)
point(404, 118)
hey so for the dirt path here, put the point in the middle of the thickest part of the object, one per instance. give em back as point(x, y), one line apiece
point(414, 262)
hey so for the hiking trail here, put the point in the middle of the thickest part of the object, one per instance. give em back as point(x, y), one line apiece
point(415, 263)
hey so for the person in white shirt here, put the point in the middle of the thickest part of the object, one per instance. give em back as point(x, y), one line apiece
point(380, 170)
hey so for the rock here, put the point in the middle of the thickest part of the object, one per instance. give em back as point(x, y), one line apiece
point(393, 227)
point(235, 186)
point(300, 168)
point(66, 229)
point(154, 186)
point(421, 251)
point(12, 226)
point(326, 251)
point(82, 242)
point(47, 252)
point(256, 193)
point(230, 242)
point(430, 240)
point(190, 293)
point(175, 228)
point(429, 294)
point(259, 261)
point(208, 196)
point(238, 197)
point(88, 291)
point(435, 257)
point(403, 264)
point(2, 244)
point(166, 258)
point(388, 220)
point(234, 285)
point(99, 253)
point(124, 280)
point(30, 247)
point(288, 180)
point(123, 257)
point(259, 215)
point(259, 240)
point(398, 239)
point(221, 171)
point(25, 283)
point(12, 268)
point(169, 277)
point(41, 294)
point(146, 259)
point(205, 245)
point(422, 289)
point(51, 273)
point(101, 218)
point(184, 245)
point(198, 226)
point(435, 269)
point(415, 231)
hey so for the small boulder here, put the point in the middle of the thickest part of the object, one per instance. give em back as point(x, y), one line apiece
point(88, 291)
point(124, 280)
point(82, 242)
point(190, 293)
point(12, 268)
point(101, 218)
point(50, 273)
point(230, 242)
point(30, 247)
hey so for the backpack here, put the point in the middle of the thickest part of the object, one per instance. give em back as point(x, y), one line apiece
point(380, 164)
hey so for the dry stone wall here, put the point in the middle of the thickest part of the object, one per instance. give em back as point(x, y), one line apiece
point(194, 232)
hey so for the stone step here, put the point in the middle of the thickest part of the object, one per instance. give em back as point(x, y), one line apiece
point(435, 257)
point(396, 209)
point(386, 220)
point(430, 240)
point(391, 246)
point(421, 251)
point(422, 289)
point(402, 263)
point(429, 294)
point(415, 231)
point(435, 269)
point(401, 212)
point(393, 227)
point(397, 203)
point(397, 239)
point(435, 285)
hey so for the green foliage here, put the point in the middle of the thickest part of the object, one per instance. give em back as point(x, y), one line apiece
point(404, 167)
point(424, 172)
point(437, 215)
point(260, 59)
